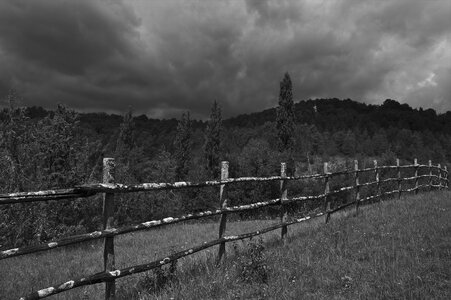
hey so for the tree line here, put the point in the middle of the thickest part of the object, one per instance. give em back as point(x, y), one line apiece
point(43, 149)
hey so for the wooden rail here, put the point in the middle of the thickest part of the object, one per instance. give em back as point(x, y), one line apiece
point(109, 188)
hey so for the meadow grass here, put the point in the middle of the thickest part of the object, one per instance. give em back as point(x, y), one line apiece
point(399, 249)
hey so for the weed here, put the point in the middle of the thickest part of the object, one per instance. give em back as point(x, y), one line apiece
point(153, 282)
point(251, 266)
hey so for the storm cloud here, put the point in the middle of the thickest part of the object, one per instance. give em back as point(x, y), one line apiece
point(165, 57)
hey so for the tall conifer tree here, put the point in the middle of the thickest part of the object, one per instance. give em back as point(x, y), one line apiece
point(285, 115)
point(183, 146)
point(212, 147)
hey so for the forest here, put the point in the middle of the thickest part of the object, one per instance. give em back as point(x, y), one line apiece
point(46, 149)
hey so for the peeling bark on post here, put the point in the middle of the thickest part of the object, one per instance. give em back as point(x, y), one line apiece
point(108, 222)
point(430, 175)
point(283, 199)
point(223, 205)
point(326, 192)
point(439, 177)
point(399, 178)
point(378, 180)
point(356, 185)
point(446, 178)
point(415, 162)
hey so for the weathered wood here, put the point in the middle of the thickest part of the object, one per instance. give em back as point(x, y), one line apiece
point(399, 178)
point(357, 186)
point(283, 199)
point(222, 204)
point(446, 177)
point(25, 197)
point(430, 175)
point(415, 162)
point(115, 274)
point(142, 226)
point(378, 179)
point(326, 192)
point(92, 189)
point(439, 177)
point(108, 223)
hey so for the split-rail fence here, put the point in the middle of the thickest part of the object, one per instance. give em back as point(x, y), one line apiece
point(436, 177)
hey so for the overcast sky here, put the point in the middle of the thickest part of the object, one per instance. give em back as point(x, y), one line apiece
point(166, 57)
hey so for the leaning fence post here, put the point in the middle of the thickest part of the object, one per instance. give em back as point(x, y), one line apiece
point(415, 163)
point(430, 175)
point(439, 177)
point(399, 178)
point(223, 204)
point(356, 185)
point(108, 222)
point(326, 192)
point(283, 199)
point(378, 180)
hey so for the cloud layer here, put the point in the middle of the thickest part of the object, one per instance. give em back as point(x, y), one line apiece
point(165, 57)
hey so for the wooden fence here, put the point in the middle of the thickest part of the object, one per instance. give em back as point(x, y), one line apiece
point(436, 176)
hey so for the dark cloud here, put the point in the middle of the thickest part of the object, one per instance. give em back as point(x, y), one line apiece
point(164, 57)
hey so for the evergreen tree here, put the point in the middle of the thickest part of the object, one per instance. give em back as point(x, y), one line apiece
point(125, 139)
point(212, 147)
point(183, 146)
point(285, 115)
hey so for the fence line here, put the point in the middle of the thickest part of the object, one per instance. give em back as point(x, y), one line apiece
point(89, 190)
point(109, 188)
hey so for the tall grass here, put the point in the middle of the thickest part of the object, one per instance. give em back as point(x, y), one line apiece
point(399, 249)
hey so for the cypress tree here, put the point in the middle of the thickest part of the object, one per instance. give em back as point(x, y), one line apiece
point(183, 146)
point(285, 115)
point(212, 147)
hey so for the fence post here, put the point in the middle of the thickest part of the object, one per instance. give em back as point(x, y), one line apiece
point(446, 178)
point(283, 198)
point(399, 179)
point(378, 180)
point(326, 192)
point(415, 162)
point(430, 175)
point(108, 222)
point(439, 177)
point(223, 204)
point(356, 185)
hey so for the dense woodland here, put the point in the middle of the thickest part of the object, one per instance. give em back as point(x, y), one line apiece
point(46, 149)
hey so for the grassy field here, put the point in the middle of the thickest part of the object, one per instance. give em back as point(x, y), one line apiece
point(392, 250)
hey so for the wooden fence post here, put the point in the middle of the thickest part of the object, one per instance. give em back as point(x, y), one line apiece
point(430, 175)
point(399, 179)
point(439, 177)
point(415, 163)
point(446, 178)
point(283, 199)
point(108, 222)
point(326, 192)
point(356, 186)
point(378, 180)
point(223, 204)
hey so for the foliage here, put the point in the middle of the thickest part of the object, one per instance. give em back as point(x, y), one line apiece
point(251, 265)
point(183, 147)
point(285, 115)
point(212, 146)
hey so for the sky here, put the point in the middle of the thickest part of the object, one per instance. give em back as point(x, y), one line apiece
point(162, 58)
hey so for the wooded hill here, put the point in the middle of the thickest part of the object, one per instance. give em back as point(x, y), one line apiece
point(43, 149)
point(327, 126)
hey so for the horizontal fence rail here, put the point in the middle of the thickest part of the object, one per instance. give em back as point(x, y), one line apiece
point(108, 188)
